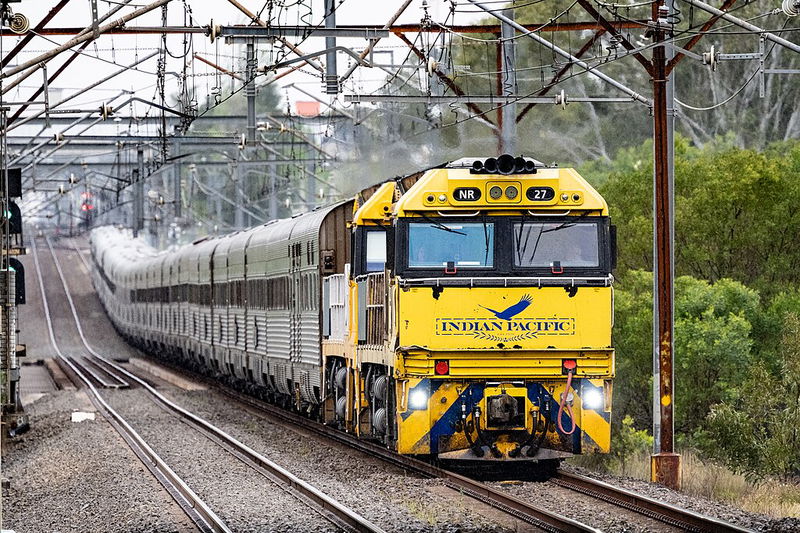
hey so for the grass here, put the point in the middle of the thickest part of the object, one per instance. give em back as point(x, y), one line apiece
point(710, 480)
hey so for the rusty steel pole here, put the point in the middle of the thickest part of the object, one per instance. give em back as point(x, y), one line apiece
point(665, 463)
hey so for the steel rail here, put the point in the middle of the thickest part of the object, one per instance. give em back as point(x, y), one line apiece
point(340, 514)
point(664, 512)
point(83, 363)
point(524, 511)
point(196, 509)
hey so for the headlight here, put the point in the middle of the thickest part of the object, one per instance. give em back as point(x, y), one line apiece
point(592, 399)
point(418, 399)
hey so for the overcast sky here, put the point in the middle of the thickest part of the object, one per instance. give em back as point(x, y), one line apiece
point(109, 52)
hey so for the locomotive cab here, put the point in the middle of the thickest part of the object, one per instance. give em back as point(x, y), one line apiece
point(503, 313)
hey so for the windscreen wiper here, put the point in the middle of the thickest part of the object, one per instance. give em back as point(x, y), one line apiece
point(439, 225)
point(568, 223)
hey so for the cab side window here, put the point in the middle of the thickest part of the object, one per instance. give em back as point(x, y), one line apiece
point(376, 251)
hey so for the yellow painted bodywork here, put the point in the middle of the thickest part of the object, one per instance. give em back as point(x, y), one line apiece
point(521, 355)
point(428, 431)
point(378, 207)
point(457, 319)
point(435, 192)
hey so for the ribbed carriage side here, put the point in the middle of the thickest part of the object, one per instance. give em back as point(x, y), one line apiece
point(193, 302)
point(310, 234)
point(268, 275)
point(205, 339)
point(161, 301)
point(170, 272)
point(184, 272)
point(304, 315)
point(260, 299)
point(221, 298)
point(237, 362)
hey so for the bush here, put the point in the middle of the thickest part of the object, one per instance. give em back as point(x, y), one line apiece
point(756, 432)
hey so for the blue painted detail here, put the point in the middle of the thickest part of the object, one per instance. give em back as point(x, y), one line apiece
point(514, 310)
point(444, 426)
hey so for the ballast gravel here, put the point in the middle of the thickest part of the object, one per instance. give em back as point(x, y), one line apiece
point(705, 506)
point(609, 518)
point(383, 494)
point(246, 501)
point(68, 476)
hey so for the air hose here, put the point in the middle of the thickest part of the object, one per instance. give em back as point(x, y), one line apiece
point(563, 403)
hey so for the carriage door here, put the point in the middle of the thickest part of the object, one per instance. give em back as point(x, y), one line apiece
point(295, 311)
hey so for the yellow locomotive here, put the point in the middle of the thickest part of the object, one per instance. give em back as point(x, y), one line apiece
point(480, 319)
point(461, 313)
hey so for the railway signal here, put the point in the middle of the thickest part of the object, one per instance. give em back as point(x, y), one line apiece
point(12, 216)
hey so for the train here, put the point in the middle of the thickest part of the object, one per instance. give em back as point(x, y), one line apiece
point(462, 313)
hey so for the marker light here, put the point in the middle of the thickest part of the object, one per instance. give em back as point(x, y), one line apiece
point(495, 192)
point(418, 399)
point(442, 367)
point(511, 192)
point(592, 399)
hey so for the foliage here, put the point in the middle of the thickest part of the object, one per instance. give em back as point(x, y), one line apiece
point(757, 431)
point(713, 324)
point(735, 211)
point(629, 441)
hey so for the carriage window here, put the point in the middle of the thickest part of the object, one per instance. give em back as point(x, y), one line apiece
point(541, 244)
point(465, 244)
point(376, 251)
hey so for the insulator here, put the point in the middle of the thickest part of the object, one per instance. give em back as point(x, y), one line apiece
point(106, 111)
point(19, 23)
point(791, 8)
point(710, 58)
point(213, 30)
point(561, 99)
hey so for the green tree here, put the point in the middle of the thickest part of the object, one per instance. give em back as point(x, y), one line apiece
point(735, 211)
point(756, 431)
point(713, 324)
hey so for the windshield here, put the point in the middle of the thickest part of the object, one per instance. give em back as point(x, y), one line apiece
point(465, 244)
point(542, 244)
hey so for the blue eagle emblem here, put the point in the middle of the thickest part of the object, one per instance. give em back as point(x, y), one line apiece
point(514, 310)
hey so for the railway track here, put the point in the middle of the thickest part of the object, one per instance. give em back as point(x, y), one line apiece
point(669, 514)
point(195, 508)
point(524, 511)
point(336, 512)
point(673, 516)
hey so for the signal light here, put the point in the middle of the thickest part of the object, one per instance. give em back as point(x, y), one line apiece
point(14, 182)
point(15, 266)
point(442, 367)
point(13, 218)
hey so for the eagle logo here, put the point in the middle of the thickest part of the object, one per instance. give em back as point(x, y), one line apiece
point(514, 310)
